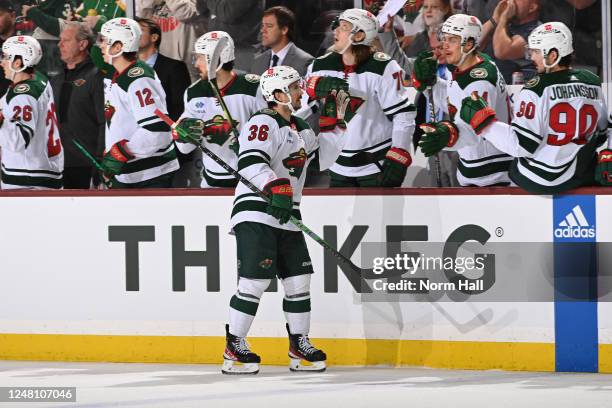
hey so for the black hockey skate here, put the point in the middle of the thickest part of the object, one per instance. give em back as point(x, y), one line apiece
point(303, 355)
point(238, 358)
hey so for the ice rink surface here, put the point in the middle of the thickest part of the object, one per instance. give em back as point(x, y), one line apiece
point(168, 385)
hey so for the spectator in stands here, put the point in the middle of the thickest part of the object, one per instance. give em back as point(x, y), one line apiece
point(173, 74)
point(513, 21)
point(47, 17)
point(79, 98)
point(277, 35)
point(434, 14)
point(174, 77)
point(241, 19)
point(180, 23)
point(7, 29)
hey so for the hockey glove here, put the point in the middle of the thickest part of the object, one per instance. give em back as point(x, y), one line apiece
point(436, 136)
point(217, 130)
point(395, 167)
point(476, 112)
point(114, 160)
point(193, 131)
point(281, 199)
point(338, 110)
point(603, 172)
point(318, 87)
point(424, 71)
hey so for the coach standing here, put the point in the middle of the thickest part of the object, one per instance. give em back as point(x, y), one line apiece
point(79, 96)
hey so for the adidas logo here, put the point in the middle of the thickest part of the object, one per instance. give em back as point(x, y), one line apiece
point(575, 225)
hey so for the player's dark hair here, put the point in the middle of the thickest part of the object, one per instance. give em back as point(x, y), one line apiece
point(153, 29)
point(228, 66)
point(566, 61)
point(28, 70)
point(362, 52)
point(130, 56)
point(284, 18)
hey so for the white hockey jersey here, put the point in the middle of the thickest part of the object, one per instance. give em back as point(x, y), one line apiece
point(131, 100)
point(243, 98)
point(272, 148)
point(560, 119)
point(480, 163)
point(386, 117)
point(32, 153)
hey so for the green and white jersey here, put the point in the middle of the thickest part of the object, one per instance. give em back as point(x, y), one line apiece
point(560, 118)
point(243, 98)
point(386, 117)
point(273, 148)
point(32, 153)
point(131, 98)
point(480, 163)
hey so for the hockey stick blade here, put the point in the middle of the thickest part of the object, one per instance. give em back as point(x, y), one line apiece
point(213, 61)
point(359, 273)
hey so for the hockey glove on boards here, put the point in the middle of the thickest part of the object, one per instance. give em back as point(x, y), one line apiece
point(114, 159)
point(281, 199)
point(192, 131)
point(476, 112)
point(436, 136)
point(318, 87)
point(338, 110)
point(424, 71)
point(603, 171)
point(395, 167)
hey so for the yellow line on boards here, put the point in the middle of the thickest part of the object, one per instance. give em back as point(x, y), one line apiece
point(605, 358)
point(273, 351)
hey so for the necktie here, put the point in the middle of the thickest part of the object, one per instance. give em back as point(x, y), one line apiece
point(274, 61)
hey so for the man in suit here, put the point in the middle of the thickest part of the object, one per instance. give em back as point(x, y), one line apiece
point(173, 74)
point(277, 34)
point(174, 77)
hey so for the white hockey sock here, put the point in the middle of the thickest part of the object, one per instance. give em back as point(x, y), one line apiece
point(296, 303)
point(244, 303)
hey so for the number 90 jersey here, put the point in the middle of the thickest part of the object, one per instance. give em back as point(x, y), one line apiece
point(560, 119)
point(32, 154)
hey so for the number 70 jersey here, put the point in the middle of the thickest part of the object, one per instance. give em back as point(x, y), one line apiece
point(560, 119)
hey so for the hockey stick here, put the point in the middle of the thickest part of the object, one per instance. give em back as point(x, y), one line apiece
point(432, 117)
point(92, 159)
point(212, 64)
point(363, 273)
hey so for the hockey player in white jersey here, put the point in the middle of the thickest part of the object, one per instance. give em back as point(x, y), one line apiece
point(480, 164)
point(381, 132)
point(139, 149)
point(276, 148)
point(560, 118)
point(32, 153)
point(240, 93)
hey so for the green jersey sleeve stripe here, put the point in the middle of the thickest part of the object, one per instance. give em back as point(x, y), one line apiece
point(525, 130)
point(245, 162)
point(264, 154)
point(147, 119)
point(157, 127)
point(526, 142)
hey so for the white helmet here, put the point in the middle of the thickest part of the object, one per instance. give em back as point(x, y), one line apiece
point(466, 27)
point(362, 20)
point(24, 46)
point(278, 79)
point(551, 35)
point(122, 29)
point(205, 45)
